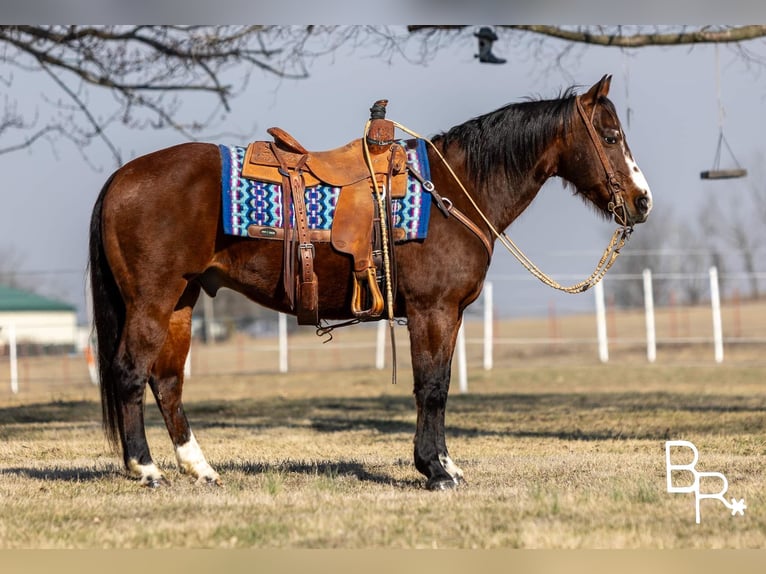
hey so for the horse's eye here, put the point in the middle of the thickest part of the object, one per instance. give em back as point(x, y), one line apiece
point(611, 140)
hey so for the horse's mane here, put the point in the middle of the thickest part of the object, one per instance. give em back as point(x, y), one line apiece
point(503, 145)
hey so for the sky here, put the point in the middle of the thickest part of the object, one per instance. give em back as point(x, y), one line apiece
point(672, 94)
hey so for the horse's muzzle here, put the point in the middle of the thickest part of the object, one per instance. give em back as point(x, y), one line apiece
point(642, 206)
point(629, 213)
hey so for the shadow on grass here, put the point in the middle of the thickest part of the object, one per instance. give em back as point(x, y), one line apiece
point(329, 469)
point(601, 416)
point(61, 474)
point(55, 411)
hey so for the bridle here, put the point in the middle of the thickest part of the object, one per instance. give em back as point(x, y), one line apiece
point(617, 204)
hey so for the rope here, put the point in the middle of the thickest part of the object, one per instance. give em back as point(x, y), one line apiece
point(612, 251)
point(383, 223)
point(384, 240)
point(721, 117)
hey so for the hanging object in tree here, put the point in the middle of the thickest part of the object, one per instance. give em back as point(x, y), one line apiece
point(487, 37)
point(716, 172)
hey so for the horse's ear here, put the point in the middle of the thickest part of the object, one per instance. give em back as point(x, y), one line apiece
point(599, 90)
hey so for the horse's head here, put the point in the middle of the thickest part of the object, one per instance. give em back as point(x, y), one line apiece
point(598, 162)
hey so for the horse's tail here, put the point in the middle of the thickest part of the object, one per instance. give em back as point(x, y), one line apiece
point(108, 319)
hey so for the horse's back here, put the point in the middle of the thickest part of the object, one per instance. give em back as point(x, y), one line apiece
point(177, 163)
point(162, 206)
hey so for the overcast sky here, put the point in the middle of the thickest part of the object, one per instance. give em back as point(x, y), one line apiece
point(47, 197)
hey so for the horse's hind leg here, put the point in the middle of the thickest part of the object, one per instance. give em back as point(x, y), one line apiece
point(143, 338)
point(167, 385)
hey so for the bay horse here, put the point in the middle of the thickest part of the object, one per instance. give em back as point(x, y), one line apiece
point(151, 255)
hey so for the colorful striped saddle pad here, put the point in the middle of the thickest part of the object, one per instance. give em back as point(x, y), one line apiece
point(247, 202)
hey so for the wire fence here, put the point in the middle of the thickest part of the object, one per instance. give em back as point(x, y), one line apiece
point(710, 331)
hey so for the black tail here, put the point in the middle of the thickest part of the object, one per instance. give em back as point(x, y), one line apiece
point(108, 319)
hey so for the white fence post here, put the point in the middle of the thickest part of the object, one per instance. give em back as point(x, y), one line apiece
point(651, 335)
point(380, 346)
point(208, 313)
point(282, 343)
point(488, 334)
point(715, 302)
point(603, 343)
point(461, 362)
point(13, 358)
point(187, 364)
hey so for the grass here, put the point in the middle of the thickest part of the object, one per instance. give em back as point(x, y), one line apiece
point(555, 457)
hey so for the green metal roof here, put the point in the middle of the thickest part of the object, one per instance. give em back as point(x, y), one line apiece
point(12, 299)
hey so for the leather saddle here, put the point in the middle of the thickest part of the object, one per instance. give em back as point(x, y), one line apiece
point(355, 228)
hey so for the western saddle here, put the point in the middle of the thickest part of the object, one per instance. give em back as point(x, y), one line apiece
point(356, 226)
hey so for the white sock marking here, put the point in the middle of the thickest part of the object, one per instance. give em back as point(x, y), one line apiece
point(453, 469)
point(146, 473)
point(191, 461)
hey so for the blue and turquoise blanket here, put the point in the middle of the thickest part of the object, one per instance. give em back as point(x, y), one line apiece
point(247, 202)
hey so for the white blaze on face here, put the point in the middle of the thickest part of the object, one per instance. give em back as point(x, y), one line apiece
point(638, 179)
point(191, 461)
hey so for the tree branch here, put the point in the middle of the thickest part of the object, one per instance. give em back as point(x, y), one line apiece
point(619, 36)
point(637, 40)
point(97, 127)
point(145, 66)
point(140, 66)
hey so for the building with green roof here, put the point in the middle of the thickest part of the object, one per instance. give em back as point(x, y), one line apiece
point(12, 299)
point(36, 319)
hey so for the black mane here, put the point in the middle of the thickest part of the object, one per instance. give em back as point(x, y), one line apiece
point(503, 145)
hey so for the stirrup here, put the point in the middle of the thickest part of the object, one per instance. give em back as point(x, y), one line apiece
point(377, 304)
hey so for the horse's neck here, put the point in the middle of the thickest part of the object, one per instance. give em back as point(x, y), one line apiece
point(503, 201)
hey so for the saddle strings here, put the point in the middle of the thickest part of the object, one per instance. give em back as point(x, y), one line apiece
point(384, 240)
point(612, 251)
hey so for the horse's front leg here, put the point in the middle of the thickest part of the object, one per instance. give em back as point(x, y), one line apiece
point(432, 342)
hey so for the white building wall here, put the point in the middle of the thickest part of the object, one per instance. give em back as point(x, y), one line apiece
point(42, 327)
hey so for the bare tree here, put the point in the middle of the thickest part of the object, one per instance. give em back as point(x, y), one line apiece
point(10, 262)
point(558, 44)
point(645, 251)
point(735, 228)
point(691, 259)
point(677, 254)
point(756, 233)
point(623, 36)
point(145, 70)
point(757, 189)
point(150, 71)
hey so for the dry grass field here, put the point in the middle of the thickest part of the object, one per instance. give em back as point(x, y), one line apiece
point(559, 451)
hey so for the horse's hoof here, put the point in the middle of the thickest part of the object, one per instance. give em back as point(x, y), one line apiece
point(210, 481)
point(441, 483)
point(156, 482)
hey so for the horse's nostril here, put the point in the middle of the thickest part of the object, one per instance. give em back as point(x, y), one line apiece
point(642, 203)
